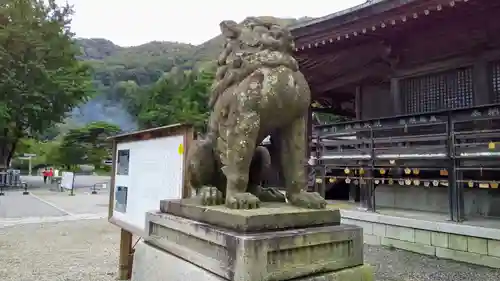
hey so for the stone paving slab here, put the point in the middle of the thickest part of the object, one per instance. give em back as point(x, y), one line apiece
point(16, 205)
point(38, 220)
point(80, 203)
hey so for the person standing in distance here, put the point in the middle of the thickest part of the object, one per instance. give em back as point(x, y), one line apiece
point(45, 174)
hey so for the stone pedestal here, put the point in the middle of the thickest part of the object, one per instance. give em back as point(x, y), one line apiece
point(271, 216)
point(154, 264)
point(180, 248)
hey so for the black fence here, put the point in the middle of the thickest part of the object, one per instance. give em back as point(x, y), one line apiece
point(11, 179)
point(452, 149)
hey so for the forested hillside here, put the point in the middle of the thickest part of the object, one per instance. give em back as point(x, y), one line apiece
point(115, 67)
point(128, 79)
point(81, 91)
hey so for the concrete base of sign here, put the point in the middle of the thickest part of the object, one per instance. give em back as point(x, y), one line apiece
point(153, 263)
point(263, 256)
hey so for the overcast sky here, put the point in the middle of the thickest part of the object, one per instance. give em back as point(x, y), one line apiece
point(134, 22)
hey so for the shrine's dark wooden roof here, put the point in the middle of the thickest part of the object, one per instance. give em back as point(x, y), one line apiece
point(366, 42)
point(342, 17)
point(365, 16)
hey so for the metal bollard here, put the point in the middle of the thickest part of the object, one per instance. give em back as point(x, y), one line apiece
point(94, 189)
point(25, 192)
point(2, 184)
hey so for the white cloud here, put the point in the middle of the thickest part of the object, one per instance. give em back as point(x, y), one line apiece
point(132, 22)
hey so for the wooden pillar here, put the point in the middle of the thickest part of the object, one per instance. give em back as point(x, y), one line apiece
point(455, 189)
point(357, 191)
point(309, 131)
point(481, 82)
point(112, 182)
point(308, 140)
point(358, 102)
point(125, 259)
point(188, 140)
point(396, 96)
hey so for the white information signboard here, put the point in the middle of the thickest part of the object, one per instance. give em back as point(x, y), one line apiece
point(146, 171)
point(67, 180)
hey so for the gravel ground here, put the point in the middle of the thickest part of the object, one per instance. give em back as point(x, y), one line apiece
point(398, 265)
point(87, 250)
point(84, 250)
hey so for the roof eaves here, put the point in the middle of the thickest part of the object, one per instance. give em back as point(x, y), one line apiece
point(337, 14)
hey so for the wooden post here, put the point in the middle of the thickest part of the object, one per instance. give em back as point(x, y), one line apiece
point(125, 261)
point(482, 93)
point(112, 182)
point(396, 96)
point(308, 140)
point(358, 102)
point(188, 141)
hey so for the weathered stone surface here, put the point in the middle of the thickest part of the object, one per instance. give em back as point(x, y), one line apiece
point(422, 237)
point(494, 248)
point(372, 239)
point(468, 257)
point(477, 245)
point(264, 256)
point(400, 233)
point(154, 264)
point(270, 216)
point(409, 246)
point(439, 239)
point(457, 242)
point(460, 242)
point(379, 229)
point(258, 92)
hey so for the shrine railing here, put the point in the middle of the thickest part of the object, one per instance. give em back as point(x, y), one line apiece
point(462, 133)
point(451, 149)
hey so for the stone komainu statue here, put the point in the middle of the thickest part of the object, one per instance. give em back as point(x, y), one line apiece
point(258, 91)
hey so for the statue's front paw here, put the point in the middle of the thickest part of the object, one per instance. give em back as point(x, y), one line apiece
point(311, 200)
point(243, 201)
point(210, 196)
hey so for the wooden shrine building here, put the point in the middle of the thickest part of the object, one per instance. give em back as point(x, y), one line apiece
point(420, 82)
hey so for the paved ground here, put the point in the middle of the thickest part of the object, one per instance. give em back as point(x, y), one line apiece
point(78, 244)
point(83, 202)
point(43, 205)
point(16, 205)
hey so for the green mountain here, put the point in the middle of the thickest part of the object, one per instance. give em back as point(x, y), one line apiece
point(115, 67)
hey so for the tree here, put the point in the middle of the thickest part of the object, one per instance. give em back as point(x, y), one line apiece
point(129, 94)
point(45, 151)
point(87, 145)
point(178, 99)
point(40, 78)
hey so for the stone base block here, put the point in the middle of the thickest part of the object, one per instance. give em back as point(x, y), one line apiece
point(270, 216)
point(264, 256)
point(154, 264)
point(461, 242)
